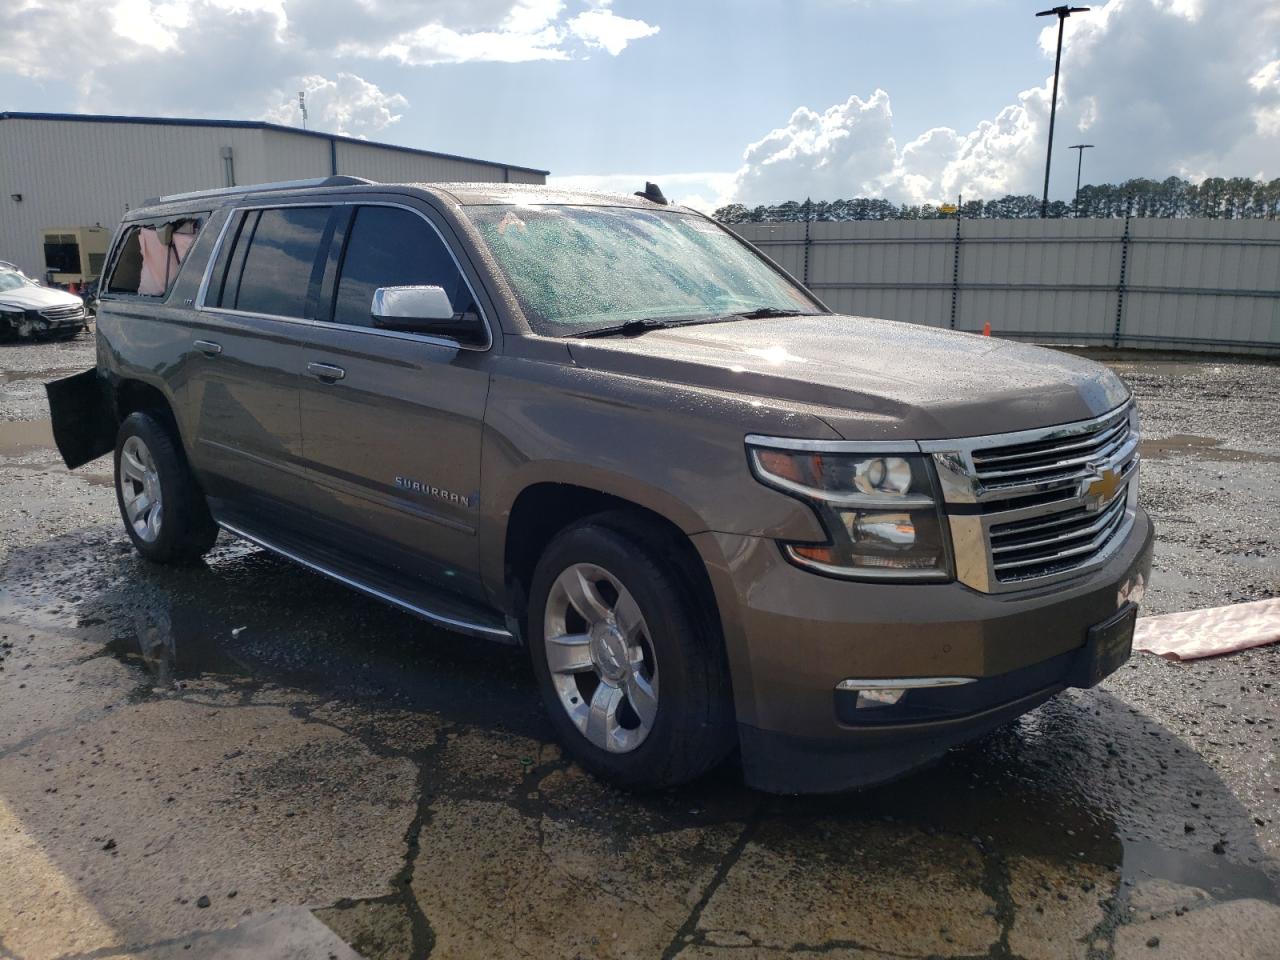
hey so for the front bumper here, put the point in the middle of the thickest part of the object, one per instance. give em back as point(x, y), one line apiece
point(792, 636)
point(39, 323)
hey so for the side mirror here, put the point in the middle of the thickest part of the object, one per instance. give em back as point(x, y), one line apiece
point(424, 309)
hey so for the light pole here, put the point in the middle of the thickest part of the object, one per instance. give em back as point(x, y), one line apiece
point(1061, 13)
point(1080, 148)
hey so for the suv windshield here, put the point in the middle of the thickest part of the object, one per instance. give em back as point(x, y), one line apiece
point(577, 269)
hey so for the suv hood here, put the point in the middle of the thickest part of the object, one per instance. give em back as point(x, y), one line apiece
point(37, 298)
point(868, 378)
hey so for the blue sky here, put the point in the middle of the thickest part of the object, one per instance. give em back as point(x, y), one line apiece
point(718, 75)
point(757, 101)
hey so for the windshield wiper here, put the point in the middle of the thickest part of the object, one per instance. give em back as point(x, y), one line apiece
point(631, 328)
point(761, 312)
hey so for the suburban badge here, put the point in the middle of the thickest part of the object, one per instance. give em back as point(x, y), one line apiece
point(439, 493)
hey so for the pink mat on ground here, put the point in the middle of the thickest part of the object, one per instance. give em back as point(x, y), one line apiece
point(1210, 632)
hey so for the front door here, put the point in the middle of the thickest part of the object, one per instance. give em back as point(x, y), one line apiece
point(391, 421)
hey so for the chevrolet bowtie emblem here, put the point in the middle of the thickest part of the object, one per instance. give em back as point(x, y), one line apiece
point(1100, 491)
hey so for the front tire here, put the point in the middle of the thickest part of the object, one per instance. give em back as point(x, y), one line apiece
point(628, 657)
point(163, 509)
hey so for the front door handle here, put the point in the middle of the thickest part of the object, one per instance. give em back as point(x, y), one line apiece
point(208, 347)
point(326, 372)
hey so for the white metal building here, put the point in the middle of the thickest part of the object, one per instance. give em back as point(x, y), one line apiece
point(69, 170)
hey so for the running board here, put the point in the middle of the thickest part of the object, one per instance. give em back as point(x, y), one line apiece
point(433, 606)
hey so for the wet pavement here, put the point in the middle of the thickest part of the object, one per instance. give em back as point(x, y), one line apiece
point(241, 759)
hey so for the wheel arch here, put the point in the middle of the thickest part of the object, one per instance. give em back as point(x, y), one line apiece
point(544, 508)
point(130, 395)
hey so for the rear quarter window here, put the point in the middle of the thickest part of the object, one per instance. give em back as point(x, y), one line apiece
point(150, 256)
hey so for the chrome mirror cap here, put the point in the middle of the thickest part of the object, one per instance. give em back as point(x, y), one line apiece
point(411, 303)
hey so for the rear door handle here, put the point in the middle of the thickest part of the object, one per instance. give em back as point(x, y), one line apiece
point(326, 372)
point(208, 347)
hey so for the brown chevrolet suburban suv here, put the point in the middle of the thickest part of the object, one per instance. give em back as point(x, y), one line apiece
point(719, 515)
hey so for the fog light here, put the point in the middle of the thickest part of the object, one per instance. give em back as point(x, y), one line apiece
point(888, 692)
point(882, 697)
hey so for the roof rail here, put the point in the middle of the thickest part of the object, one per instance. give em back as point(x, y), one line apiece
point(338, 180)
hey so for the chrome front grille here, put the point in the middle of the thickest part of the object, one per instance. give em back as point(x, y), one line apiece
point(60, 314)
point(1038, 506)
point(1052, 458)
point(1051, 543)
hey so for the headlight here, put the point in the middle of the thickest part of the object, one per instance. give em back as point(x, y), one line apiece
point(881, 512)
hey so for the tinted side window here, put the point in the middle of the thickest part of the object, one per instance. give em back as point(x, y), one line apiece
point(276, 268)
point(220, 277)
point(389, 247)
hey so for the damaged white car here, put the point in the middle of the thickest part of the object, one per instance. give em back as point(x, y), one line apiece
point(29, 310)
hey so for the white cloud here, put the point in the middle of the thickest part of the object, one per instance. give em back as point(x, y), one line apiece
point(846, 148)
point(217, 57)
point(154, 25)
point(348, 104)
point(1267, 114)
point(1160, 86)
point(528, 30)
point(434, 43)
point(604, 29)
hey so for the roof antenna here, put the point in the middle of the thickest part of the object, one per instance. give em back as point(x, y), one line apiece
point(302, 106)
point(652, 193)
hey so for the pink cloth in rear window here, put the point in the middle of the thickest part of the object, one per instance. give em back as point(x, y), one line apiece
point(151, 283)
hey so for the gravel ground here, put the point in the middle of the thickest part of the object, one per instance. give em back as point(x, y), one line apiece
point(243, 760)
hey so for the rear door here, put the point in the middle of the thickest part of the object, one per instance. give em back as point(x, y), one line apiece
point(391, 421)
point(246, 354)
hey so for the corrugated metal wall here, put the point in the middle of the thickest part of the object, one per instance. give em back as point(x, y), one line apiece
point(394, 166)
point(1175, 284)
point(288, 157)
point(76, 173)
point(82, 172)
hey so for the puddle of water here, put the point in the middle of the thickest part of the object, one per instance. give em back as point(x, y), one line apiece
point(20, 437)
point(1203, 448)
point(171, 644)
point(41, 376)
point(1221, 878)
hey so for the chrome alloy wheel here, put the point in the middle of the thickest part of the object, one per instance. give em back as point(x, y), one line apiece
point(140, 489)
point(601, 658)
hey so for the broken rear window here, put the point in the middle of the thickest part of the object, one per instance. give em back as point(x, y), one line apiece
point(150, 256)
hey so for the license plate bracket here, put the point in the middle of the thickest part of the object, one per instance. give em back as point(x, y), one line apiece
point(1107, 646)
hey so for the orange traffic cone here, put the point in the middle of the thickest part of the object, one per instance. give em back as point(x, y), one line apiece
point(73, 288)
point(986, 329)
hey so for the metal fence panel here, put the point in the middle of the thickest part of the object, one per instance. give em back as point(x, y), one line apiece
point(1175, 284)
point(929, 307)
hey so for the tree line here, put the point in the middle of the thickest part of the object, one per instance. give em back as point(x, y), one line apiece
point(1216, 198)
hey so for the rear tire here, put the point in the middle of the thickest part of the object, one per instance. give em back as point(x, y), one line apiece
point(162, 506)
point(639, 693)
